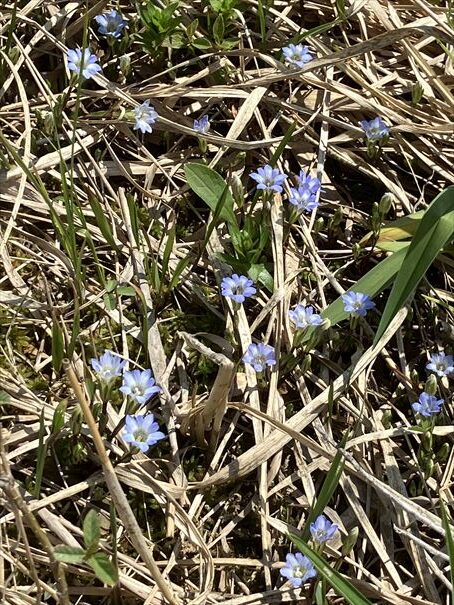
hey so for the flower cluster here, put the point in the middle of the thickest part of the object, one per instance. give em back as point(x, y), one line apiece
point(139, 385)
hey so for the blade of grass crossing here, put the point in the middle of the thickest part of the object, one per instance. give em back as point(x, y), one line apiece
point(340, 584)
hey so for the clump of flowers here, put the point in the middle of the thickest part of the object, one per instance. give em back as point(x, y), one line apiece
point(322, 529)
point(441, 364)
point(259, 356)
point(108, 366)
point(83, 61)
point(145, 116)
point(111, 24)
point(303, 317)
point(298, 569)
point(142, 432)
point(357, 304)
point(269, 178)
point(203, 125)
point(427, 405)
point(297, 54)
point(237, 287)
point(375, 130)
point(139, 385)
point(304, 197)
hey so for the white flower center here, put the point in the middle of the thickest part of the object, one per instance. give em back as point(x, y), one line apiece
point(140, 435)
point(138, 390)
point(441, 365)
point(299, 571)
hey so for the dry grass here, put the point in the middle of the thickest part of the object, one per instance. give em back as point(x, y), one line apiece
point(203, 518)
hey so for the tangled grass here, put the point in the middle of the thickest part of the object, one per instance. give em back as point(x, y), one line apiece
point(105, 246)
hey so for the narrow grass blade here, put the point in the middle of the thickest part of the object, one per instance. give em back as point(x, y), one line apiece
point(340, 584)
point(435, 230)
point(40, 456)
point(449, 543)
point(328, 488)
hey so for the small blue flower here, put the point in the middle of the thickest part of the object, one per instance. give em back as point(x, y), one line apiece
point(305, 180)
point(145, 115)
point(108, 366)
point(303, 317)
point(237, 287)
point(142, 431)
point(441, 364)
point(427, 405)
point(260, 356)
point(298, 569)
point(322, 529)
point(111, 24)
point(269, 178)
point(303, 198)
point(357, 303)
point(139, 385)
point(202, 125)
point(83, 61)
point(297, 54)
point(375, 130)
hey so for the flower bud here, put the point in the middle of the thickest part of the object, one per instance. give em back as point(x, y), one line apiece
point(125, 65)
point(386, 203)
point(431, 385)
point(350, 541)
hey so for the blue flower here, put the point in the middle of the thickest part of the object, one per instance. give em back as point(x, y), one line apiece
point(145, 115)
point(111, 24)
point(303, 316)
point(303, 198)
point(375, 129)
point(269, 178)
point(427, 405)
point(260, 356)
point(322, 529)
point(142, 431)
point(297, 54)
point(108, 366)
point(357, 304)
point(237, 287)
point(441, 364)
point(202, 125)
point(304, 180)
point(139, 385)
point(83, 61)
point(298, 569)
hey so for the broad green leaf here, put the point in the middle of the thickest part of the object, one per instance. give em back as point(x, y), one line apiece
point(69, 554)
point(402, 228)
point(435, 230)
point(340, 584)
point(103, 568)
point(449, 543)
point(92, 530)
point(209, 186)
point(259, 273)
point(372, 283)
point(392, 246)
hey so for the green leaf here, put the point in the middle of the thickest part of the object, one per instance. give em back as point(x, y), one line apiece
point(92, 529)
point(449, 543)
point(372, 283)
point(58, 420)
point(57, 346)
point(340, 584)
point(209, 186)
point(202, 43)
point(259, 273)
point(103, 568)
point(435, 230)
point(328, 488)
point(126, 291)
point(69, 554)
point(102, 222)
point(218, 29)
point(402, 228)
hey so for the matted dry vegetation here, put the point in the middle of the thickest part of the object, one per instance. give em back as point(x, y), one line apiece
point(95, 222)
